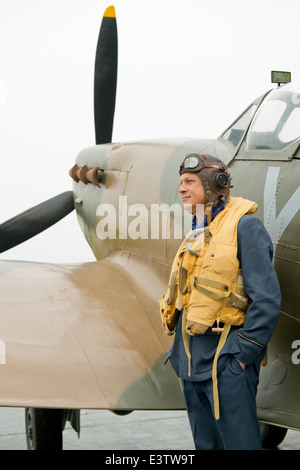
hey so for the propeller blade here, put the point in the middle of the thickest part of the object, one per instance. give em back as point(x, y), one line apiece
point(105, 79)
point(35, 220)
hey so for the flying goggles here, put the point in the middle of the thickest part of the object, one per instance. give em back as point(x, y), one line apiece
point(194, 163)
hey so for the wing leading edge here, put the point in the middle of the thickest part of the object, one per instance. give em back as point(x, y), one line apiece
point(82, 336)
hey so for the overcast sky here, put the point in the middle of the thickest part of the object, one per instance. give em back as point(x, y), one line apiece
point(186, 68)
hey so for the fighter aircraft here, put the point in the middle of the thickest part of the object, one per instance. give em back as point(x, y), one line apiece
point(89, 335)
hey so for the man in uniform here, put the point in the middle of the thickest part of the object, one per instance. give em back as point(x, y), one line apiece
point(222, 303)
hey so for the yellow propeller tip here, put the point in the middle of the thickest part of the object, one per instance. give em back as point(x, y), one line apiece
point(110, 12)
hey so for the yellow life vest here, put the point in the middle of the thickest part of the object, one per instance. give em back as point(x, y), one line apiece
point(206, 280)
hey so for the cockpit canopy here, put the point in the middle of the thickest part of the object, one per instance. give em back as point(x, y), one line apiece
point(269, 128)
point(276, 124)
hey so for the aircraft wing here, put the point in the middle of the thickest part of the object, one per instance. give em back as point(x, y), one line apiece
point(83, 336)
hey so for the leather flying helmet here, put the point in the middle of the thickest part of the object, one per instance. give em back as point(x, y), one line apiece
point(213, 173)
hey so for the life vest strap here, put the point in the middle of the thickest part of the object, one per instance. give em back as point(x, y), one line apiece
point(221, 343)
point(185, 338)
point(183, 288)
point(236, 301)
point(172, 288)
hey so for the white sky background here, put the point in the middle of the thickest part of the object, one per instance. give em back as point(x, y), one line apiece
point(186, 68)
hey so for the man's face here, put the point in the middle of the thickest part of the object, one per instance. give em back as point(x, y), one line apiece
point(192, 191)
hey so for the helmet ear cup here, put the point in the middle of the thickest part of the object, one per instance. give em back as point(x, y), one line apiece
point(220, 180)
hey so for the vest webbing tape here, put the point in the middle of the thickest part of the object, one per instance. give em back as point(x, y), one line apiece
point(185, 338)
point(182, 276)
point(238, 303)
point(170, 300)
point(221, 343)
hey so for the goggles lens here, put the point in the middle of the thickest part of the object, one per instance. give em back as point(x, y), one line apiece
point(191, 162)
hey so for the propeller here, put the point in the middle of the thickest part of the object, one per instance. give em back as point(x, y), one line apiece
point(105, 79)
point(26, 225)
point(35, 220)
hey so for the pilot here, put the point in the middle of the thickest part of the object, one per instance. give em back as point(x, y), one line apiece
point(222, 304)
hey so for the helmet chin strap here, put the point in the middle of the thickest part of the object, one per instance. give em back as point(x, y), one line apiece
point(208, 213)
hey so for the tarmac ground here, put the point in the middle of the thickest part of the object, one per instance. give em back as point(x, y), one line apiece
point(103, 430)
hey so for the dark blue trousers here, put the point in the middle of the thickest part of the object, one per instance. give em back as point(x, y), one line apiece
point(238, 426)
